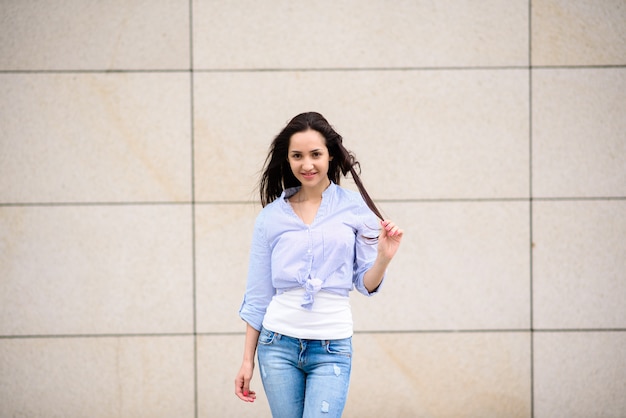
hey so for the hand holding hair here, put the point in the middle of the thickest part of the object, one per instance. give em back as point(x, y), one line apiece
point(389, 239)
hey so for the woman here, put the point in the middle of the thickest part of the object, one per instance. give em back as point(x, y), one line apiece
point(313, 242)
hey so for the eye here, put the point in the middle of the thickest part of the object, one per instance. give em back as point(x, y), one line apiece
point(296, 156)
point(317, 154)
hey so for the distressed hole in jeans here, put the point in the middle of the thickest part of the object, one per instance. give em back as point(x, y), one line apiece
point(325, 406)
point(337, 370)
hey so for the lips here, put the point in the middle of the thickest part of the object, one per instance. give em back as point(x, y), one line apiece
point(308, 175)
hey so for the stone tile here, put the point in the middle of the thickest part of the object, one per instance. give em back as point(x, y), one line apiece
point(94, 137)
point(95, 270)
point(578, 132)
point(103, 35)
point(97, 377)
point(578, 264)
point(440, 375)
point(442, 134)
point(462, 265)
point(579, 374)
point(578, 32)
point(356, 34)
point(223, 235)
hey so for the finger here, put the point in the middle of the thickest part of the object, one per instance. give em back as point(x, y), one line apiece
point(390, 228)
point(241, 393)
point(386, 226)
point(248, 394)
point(239, 388)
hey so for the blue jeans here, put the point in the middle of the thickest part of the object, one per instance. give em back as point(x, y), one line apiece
point(304, 378)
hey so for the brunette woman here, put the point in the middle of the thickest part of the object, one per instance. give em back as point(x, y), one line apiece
point(313, 242)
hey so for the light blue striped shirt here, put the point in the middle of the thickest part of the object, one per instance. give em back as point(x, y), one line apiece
point(331, 254)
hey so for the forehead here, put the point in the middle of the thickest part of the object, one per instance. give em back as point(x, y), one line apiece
point(307, 141)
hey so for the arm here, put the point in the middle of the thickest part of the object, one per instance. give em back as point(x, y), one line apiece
point(259, 287)
point(259, 292)
point(242, 381)
point(388, 243)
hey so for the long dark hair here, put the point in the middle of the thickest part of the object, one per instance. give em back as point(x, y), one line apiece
point(277, 175)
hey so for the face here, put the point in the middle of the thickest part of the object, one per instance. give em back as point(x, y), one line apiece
point(309, 158)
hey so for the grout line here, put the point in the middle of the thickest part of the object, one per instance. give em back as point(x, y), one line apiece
point(577, 67)
point(406, 69)
point(582, 198)
point(99, 71)
point(500, 199)
point(194, 202)
point(359, 69)
point(311, 70)
point(574, 330)
point(530, 210)
point(193, 211)
point(112, 335)
point(493, 331)
point(78, 204)
point(363, 332)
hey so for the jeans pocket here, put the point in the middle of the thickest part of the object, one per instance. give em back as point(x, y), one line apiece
point(266, 337)
point(341, 347)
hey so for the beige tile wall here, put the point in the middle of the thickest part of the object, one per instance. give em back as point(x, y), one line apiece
point(132, 136)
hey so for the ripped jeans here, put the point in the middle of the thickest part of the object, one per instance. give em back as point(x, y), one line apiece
point(304, 378)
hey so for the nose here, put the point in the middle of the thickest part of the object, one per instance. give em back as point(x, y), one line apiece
point(307, 165)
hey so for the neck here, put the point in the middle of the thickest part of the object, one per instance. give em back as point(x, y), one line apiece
point(311, 193)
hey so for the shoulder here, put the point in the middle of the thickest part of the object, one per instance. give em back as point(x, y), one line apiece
point(273, 213)
point(352, 202)
point(349, 197)
point(270, 209)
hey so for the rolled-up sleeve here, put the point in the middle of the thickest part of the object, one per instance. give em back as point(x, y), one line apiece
point(366, 248)
point(259, 288)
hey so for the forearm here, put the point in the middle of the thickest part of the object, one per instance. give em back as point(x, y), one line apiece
point(374, 276)
point(252, 337)
point(242, 381)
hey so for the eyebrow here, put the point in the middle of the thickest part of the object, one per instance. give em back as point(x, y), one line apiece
point(300, 152)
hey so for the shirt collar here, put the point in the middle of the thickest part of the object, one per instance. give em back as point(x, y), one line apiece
point(329, 192)
point(327, 197)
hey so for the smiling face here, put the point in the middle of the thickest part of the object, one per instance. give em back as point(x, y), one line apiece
point(309, 159)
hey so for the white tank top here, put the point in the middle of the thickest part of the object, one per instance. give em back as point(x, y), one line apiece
point(329, 319)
